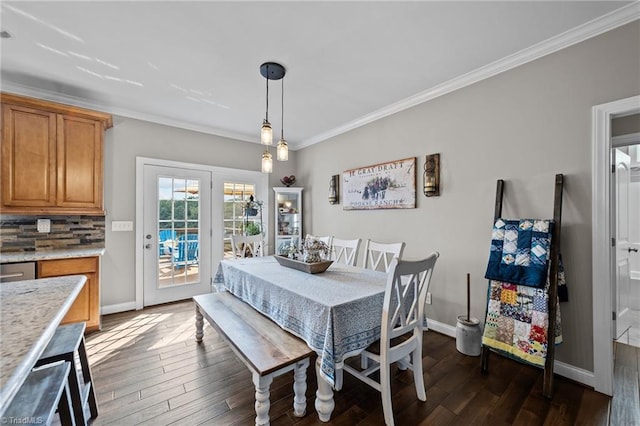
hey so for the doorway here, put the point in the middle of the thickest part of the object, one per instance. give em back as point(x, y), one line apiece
point(626, 151)
point(177, 233)
point(603, 230)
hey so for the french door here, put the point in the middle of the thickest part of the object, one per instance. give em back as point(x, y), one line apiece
point(176, 233)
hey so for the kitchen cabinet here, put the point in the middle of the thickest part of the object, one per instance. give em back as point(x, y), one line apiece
point(288, 214)
point(52, 158)
point(87, 305)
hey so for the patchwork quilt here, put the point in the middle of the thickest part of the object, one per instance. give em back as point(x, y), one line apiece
point(517, 313)
point(517, 321)
point(520, 251)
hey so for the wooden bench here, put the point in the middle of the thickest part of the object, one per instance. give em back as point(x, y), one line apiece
point(42, 392)
point(265, 348)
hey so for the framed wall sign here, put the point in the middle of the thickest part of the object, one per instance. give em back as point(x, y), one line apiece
point(389, 185)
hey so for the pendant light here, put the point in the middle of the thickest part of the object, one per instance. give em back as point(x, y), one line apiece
point(271, 71)
point(282, 149)
point(266, 133)
point(267, 162)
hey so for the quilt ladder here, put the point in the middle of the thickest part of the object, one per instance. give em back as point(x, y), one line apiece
point(554, 255)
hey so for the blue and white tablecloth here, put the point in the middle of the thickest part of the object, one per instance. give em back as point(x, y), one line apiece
point(337, 312)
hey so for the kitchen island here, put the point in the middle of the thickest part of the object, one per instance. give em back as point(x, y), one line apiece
point(30, 312)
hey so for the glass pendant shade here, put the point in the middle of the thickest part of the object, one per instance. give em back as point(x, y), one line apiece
point(267, 162)
point(266, 133)
point(282, 150)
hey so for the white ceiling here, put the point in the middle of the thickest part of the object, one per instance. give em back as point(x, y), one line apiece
point(196, 64)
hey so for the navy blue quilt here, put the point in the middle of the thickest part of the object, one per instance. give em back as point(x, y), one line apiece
point(520, 251)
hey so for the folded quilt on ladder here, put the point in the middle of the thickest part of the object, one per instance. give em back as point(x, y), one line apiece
point(517, 318)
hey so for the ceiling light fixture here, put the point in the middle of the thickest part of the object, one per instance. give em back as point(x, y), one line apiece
point(270, 71)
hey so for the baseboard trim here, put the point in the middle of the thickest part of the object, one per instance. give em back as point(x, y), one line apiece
point(120, 307)
point(440, 327)
point(576, 374)
point(560, 368)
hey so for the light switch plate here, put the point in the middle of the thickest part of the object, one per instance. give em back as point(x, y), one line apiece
point(121, 225)
point(44, 225)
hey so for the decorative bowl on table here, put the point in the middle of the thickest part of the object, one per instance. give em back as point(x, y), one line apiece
point(309, 268)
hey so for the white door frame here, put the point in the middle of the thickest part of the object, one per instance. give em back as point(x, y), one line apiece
point(603, 257)
point(262, 187)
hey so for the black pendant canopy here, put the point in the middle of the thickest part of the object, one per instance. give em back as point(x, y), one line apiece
point(272, 71)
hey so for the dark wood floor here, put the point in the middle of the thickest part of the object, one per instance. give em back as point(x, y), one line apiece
point(148, 370)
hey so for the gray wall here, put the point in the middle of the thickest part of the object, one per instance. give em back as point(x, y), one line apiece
point(524, 126)
point(130, 138)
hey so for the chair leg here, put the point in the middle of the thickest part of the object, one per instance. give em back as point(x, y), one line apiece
point(364, 362)
point(86, 374)
point(385, 392)
point(404, 363)
point(418, 378)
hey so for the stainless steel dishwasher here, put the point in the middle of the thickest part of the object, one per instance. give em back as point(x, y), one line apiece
point(17, 271)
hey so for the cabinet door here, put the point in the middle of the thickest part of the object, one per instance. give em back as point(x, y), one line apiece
point(28, 157)
point(79, 163)
point(87, 305)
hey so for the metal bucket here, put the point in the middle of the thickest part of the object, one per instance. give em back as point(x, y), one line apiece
point(468, 336)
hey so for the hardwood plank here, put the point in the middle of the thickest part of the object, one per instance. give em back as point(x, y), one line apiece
point(625, 405)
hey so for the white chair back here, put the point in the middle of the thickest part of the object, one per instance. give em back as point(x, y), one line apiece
point(345, 251)
point(402, 320)
point(378, 256)
point(326, 240)
point(242, 246)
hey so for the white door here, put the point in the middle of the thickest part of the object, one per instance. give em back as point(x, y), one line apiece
point(622, 287)
point(177, 233)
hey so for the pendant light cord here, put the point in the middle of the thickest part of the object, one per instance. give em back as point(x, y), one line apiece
point(282, 122)
point(266, 116)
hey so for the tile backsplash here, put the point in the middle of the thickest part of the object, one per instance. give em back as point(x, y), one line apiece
point(20, 234)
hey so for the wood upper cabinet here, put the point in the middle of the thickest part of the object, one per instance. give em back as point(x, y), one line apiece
point(52, 157)
point(87, 305)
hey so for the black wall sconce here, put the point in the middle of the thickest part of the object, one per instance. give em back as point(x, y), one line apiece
point(432, 175)
point(333, 189)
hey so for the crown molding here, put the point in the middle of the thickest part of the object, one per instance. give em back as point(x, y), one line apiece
point(48, 95)
point(610, 21)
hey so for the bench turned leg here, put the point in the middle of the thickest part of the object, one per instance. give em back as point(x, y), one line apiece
point(199, 325)
point(324, 396)
point(262, 384)
point(300, 388)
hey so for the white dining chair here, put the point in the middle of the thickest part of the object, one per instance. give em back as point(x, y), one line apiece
point(242, 246)
point(402, 327)
point(326, 240)
point(378, 256)
point(345, 251)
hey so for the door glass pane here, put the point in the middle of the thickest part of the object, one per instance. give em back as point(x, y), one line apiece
point(179, 231)
point(235, 220)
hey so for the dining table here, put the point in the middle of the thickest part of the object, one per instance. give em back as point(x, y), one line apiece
point(30, 312)
point(337, 312)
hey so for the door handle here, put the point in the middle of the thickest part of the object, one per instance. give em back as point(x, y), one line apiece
point(147, 246)
point(632, 249)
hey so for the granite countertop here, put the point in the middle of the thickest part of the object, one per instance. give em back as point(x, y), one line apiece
point(28, 256)
point(30, 312)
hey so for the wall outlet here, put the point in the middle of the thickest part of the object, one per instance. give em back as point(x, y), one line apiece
point(44, 225)
point(428, 298)
point(121, 225)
